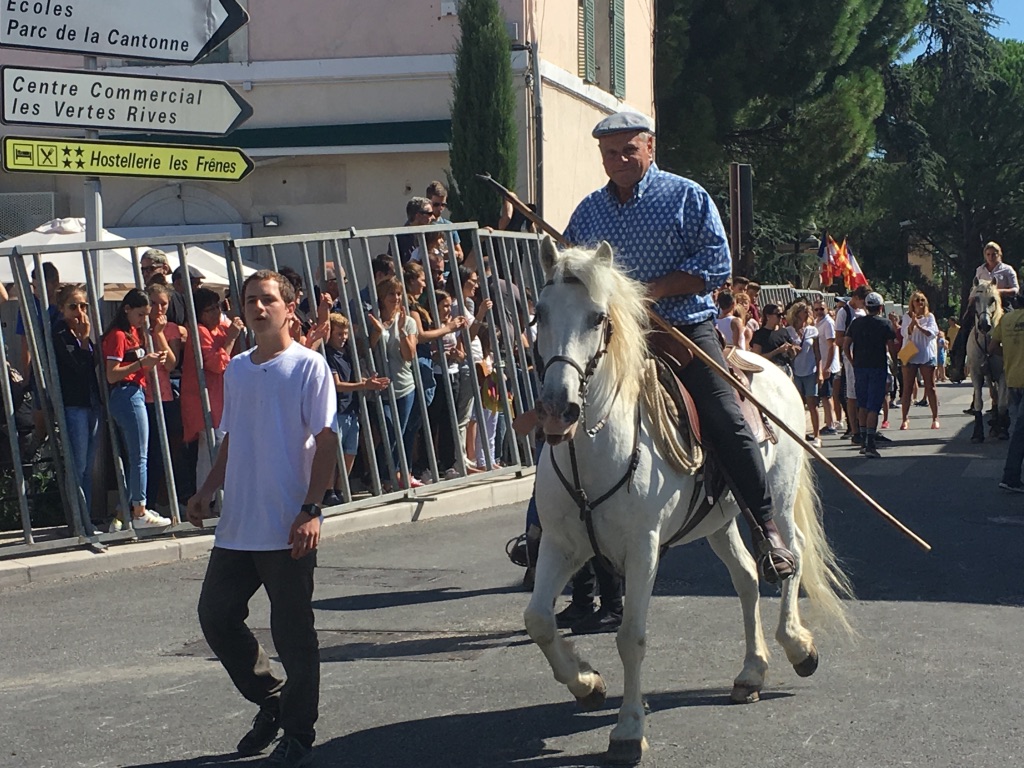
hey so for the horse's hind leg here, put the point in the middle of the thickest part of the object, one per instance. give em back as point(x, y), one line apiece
point(627, 743)
point(554, 567)
point(728, 544)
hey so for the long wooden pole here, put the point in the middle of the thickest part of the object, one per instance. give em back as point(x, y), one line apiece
point(703, 356)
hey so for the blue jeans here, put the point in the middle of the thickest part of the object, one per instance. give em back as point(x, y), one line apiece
point(404, 406)
point(83, 429)
point(1015, 449)
point(128, 410)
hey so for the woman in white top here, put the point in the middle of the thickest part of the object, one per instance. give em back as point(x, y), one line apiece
point(807, 374)
point(919, 327)
point(730, 326)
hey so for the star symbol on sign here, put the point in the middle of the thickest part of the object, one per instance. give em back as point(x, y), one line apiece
point(67, 151)
point(67, 163)
point(80, 163)
point(78, 152)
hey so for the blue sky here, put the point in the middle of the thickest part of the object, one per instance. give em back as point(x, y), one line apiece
point(1013, 13)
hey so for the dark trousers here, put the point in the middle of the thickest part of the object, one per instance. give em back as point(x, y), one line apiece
point(232, 578)
point(607, 583)
point(722, 425)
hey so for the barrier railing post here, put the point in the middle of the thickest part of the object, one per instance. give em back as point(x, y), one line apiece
point(6, 391)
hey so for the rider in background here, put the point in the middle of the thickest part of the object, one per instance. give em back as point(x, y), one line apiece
point(996, 271)
point(667, 233)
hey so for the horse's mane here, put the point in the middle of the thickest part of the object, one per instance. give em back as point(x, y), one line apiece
point(627, 310)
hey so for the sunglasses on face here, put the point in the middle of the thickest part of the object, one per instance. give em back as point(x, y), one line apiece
point(819, 309)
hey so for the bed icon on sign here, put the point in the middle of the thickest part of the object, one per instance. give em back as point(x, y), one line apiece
point(23, 154)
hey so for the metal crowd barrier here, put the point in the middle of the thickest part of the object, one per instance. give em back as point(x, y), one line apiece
point(508, 268)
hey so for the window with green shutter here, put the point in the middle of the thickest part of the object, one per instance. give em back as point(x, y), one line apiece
point(617, 11)
point(586, 59)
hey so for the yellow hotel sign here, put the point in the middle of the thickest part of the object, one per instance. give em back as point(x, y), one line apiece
point(122, 158)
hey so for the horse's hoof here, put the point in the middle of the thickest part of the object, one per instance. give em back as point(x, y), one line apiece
point(594, 700)
point(629, 752)
point(745, 694)
point(807, 667)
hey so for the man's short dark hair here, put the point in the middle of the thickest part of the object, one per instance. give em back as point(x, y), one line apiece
point(862, 291)
point(293, 277)
point(284, 285)
point(50, 273)
point(436, 188)
point(382, 264)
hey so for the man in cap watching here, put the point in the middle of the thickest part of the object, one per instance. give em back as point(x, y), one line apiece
point(866, 341)
point(176, 311)
point(154, 267)
point(667, 233)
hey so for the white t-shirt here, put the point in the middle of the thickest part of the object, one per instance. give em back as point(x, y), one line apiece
point(925, 338)
point(727, 325)
point(842, 325)
point(272, 413)
point(827, 330)
point(806, 337)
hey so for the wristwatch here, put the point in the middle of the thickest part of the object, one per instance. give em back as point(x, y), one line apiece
point(313, 510)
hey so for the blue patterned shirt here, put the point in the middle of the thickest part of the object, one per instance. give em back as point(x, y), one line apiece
point(669, 224)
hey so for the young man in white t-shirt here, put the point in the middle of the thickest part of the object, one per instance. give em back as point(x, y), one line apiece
point(275, 463)
point(844, 317)
point(830, 365)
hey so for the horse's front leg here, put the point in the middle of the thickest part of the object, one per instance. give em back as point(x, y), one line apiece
point(554, 567)
point(728, 544)
point(627, 743)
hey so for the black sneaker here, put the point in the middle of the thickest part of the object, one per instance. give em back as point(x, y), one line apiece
point(289, 753)
point(573, 613)
point(857, 439)
point(871, 452)
point(598, 622)
point(264, 730)
point(332, 499)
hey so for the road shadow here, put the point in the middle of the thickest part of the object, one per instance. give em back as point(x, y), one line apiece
point(397, 598)
point(505, 737)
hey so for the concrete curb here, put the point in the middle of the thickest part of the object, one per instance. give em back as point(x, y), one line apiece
point(57, 566)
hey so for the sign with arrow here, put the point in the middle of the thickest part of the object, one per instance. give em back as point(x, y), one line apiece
point(86, 99)
point(124, 158)
point(164, 30)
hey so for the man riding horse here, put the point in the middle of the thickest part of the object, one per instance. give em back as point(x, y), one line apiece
point(667, 233)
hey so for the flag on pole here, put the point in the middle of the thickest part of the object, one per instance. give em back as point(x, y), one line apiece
point(826, 259)
point(855, 277)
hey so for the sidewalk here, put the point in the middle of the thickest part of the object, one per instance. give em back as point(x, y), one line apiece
point(67, 564)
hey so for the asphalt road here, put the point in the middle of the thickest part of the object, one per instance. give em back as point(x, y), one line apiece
point(425, 662)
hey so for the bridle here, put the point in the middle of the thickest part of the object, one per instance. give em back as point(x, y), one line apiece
point(575, 488)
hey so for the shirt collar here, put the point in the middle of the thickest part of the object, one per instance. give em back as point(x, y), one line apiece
point(639, 190)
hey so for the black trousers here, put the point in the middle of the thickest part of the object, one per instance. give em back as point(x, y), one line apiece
point(722, 425)
point(232, 578)
point(594, 578)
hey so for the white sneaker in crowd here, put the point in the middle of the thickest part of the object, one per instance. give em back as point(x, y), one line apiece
point(452, 474)
point(816, 442)
point(150, 519)
point(115, 525)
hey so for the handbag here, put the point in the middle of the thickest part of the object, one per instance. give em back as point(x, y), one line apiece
point(908, 351)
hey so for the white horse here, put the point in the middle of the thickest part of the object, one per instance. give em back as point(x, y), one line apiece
point(985, 368)
point(588, 306)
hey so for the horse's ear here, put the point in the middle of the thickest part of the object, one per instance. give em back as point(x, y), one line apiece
point(604, 252)
point(977, 282)
point(548, 256)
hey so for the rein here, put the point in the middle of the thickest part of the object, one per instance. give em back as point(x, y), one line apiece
point(575, 488)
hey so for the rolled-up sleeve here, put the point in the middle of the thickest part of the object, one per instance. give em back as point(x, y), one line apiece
point(705, 251)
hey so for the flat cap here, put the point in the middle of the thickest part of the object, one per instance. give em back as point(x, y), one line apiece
point(622, 122)
point(194, 273)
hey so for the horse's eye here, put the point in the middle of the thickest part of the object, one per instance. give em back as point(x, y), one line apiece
point(599, 318)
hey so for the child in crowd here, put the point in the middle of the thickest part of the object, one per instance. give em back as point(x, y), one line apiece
point(167, 337)
point(347, 385)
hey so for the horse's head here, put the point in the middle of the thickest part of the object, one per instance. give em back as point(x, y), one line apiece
point(584, 299)
point(987, 305)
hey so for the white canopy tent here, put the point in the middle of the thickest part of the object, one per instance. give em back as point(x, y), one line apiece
point(118, 274)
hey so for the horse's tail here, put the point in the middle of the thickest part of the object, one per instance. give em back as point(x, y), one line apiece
point(820, 574)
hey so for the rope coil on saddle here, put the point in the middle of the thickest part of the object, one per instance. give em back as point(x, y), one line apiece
point(679, 447)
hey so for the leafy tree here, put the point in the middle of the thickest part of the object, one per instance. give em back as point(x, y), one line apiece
point(792, 87)
point(484, 135)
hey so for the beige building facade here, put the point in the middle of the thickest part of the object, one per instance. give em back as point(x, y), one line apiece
point(351, 113)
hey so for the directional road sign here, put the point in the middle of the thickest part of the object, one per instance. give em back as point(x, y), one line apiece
point(84, 99)
point(124, 158)
point(164, 30)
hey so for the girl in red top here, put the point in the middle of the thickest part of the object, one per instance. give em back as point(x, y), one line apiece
point(127, 366)
point(217, 337)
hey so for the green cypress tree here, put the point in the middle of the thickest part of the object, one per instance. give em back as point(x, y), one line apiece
point(484, 133)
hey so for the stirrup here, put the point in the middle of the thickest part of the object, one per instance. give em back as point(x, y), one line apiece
point(775, 564)
point(516, 550)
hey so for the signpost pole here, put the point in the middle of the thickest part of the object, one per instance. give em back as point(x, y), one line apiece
point(94, 201)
